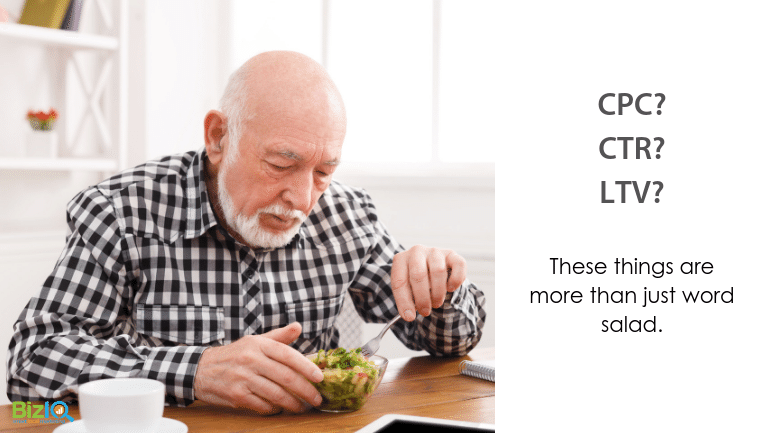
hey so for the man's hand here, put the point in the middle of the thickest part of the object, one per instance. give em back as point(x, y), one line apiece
point(259, 372)
point(422, 276)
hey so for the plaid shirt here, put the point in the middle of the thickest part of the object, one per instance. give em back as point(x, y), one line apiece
point(148, 279)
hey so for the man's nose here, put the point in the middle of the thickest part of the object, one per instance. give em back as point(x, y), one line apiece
point(298, 191)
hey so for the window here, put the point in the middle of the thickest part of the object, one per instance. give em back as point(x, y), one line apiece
point(417, 77)
point(257, 26)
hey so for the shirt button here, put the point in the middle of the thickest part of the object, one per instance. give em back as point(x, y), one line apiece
point(249, 273)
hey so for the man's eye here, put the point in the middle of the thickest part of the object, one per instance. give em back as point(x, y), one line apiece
point(279, 167)
point(321, 173)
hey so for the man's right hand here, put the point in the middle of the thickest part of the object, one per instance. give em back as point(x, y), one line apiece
point(259, 372)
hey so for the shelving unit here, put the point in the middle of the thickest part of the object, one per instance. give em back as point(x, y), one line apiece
point(57, 37)
point(59, 164)
point(109, 116)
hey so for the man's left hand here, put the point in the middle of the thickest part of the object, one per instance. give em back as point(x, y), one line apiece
point(421, 278)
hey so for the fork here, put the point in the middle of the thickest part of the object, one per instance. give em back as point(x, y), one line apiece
point(372, 346)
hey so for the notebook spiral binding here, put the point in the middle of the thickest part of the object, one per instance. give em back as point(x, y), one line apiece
point(475, 369)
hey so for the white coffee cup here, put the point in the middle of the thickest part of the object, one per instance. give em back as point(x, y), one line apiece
point(122, 405)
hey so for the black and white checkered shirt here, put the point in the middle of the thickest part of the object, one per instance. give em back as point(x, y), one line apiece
point(148, 279)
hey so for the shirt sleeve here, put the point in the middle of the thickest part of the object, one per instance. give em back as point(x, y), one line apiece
point(451, 330)
point(71, 332)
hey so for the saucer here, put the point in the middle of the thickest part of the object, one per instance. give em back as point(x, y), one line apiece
point(166, 425)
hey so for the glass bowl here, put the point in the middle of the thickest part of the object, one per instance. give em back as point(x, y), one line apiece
point(345, 390)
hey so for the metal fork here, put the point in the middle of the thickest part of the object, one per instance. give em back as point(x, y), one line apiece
point(372, 346)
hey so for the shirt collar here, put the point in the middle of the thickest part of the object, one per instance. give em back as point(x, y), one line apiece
point(200, 214)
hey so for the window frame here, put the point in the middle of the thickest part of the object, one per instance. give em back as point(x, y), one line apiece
point(432, 173)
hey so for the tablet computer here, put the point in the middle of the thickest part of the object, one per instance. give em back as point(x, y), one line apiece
point(394, 422)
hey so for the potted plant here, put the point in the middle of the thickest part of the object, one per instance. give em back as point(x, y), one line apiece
point(43, 140)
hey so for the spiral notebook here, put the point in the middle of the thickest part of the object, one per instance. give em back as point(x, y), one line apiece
point(479, 369)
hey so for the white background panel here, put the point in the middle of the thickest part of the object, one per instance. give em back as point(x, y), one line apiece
point(706, 370)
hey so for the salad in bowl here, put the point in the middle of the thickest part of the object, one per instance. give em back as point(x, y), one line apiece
point(349, 378)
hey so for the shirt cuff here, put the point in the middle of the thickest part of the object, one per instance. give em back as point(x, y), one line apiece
point(458, 297)
point(176, 367)
point(459, 300)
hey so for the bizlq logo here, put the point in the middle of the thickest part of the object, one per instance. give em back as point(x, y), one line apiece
point(25, 412)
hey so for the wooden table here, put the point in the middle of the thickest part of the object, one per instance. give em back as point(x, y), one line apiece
point(422, 386)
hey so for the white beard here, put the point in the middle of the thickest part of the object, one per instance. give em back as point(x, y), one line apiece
point(249, 227)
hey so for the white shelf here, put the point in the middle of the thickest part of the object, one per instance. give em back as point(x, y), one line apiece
point(422, 175)
point(56, 37)
point(59, 164)
point(109, 75)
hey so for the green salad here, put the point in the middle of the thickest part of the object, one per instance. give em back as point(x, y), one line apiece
point(348, 379)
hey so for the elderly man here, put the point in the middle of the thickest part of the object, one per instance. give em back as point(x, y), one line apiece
point(214, 271)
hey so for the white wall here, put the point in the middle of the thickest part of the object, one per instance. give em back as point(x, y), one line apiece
point(176, 76)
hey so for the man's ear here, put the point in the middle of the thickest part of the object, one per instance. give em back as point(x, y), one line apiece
point(215, 125)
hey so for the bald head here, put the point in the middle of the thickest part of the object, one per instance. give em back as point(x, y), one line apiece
point(281, 84)
point(273, 149)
